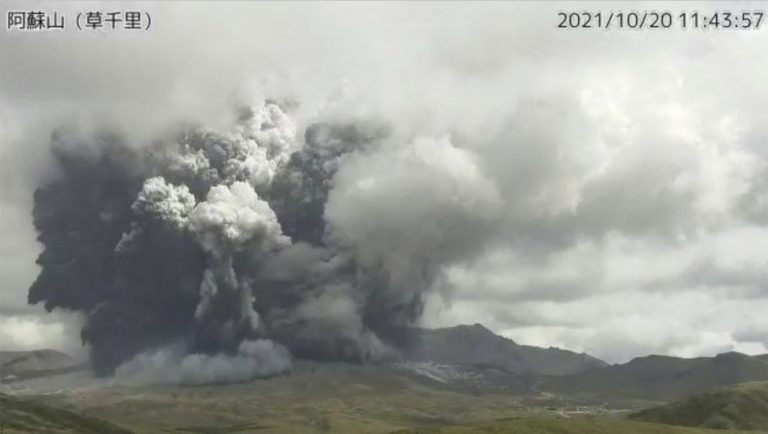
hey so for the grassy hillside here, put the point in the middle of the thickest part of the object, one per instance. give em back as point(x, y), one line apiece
point(744, 406)
point(315, 397)
point(562, 426)
point(663, 378)
point(26, 416)
point(349, 398)
point(324, 397)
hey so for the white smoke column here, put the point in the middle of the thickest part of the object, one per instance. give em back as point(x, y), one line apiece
point(252, 152)
point(231, 219)
point(164, 201)
point(158, 200)
point(262, 146)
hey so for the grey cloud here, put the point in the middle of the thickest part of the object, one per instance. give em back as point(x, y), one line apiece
point(743, 281)
point(756, 332)
point(502, 133)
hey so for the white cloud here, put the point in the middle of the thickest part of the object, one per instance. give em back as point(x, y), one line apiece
point(34, 331)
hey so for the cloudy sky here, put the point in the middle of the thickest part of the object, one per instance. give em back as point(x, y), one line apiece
point(625, 173)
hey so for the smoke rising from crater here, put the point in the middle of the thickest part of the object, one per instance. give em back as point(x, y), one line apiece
point(202, 249)
point(591, 153)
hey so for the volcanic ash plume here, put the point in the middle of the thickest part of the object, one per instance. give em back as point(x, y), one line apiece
point(219, 255)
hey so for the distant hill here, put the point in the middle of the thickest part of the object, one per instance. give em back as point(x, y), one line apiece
point(476, 345)
point(24, 416)
point(664, 378)
point(744, 406)
point(15, 365)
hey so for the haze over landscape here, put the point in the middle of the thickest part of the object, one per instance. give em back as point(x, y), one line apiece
point(372, 217)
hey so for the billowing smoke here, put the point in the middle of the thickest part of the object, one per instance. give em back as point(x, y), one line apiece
point(259, 358)
point(218, 255)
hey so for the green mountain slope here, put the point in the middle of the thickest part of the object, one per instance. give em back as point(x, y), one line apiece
point(315, 397)
point(744, 406)
point(562, 426)
point(25, 416)
point(663, 378)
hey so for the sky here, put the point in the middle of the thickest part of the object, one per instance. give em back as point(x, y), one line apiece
point(620, 174)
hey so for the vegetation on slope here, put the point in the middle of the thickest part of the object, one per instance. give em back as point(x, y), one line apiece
point(25, 416)
point(744, 406)
point(663, 378)
point(561, 426)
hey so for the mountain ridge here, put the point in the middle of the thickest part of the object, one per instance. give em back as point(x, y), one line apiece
point(477, 345)
point(665, 378)
point(20, 365)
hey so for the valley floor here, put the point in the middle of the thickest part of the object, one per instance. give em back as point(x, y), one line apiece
point(316, 398)
point(564, 426)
